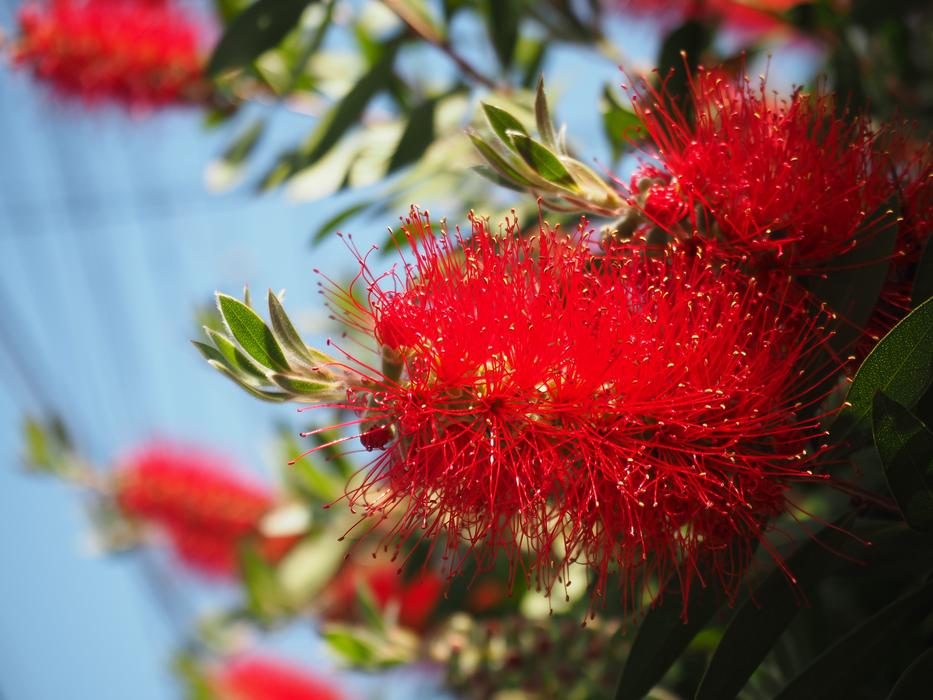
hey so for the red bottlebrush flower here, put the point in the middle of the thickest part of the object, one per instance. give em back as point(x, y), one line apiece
point(142, 54)
point(195, 498)
point(783, 183)
point(259, 678)
point(415, 598)
point(630, 411)
point(755, 16)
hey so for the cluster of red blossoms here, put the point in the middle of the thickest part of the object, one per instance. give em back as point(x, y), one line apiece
point(639, 411)
point(141, 53)
point(194, 498)
point(756, 16)
point(784, 185)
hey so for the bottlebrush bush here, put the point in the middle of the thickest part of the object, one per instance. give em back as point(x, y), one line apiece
point(662, 431)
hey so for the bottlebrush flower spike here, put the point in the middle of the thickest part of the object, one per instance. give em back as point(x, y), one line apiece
point(633, 412)
point(259, 678)
point(142, 54)
point(197, 500)
point(779, 182)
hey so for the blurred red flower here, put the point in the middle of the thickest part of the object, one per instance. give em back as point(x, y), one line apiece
point(139, 53)
point(258, 678)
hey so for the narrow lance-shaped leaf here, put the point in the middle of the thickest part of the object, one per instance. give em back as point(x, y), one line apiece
point(662, 637)
point(284, 330)
point(263, 394)
point(260, 27)
point(837, 671)
point(235, 359)
point(900, 365)
point(498, 162)
point(917, 680)
point(763, 618)
point(502, 123)
point(504, 17)
point(417, 137)
point(252, 333)
point(543, 119)
point(905, 446)
point(543, 161)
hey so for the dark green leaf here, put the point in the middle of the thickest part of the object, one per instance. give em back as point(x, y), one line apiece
point(331, 225)
point(543, 118)
point(917, 680)
point(905, 446)
point(233, 356)
point(417, 137)
point(684, 45)
point(502, 123)
point(662, 636)
point(260, 27)
point(543, 161)
point(837, 671)
point(285, 332)
point(923, 280)
point(619, 123)
point(243, 145)
point(504, 17)
point(763, 618)
point(851, 289)
point(251, 333)
point(900, 365)
point(348, 111)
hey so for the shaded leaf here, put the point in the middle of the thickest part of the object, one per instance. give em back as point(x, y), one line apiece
point(504, 17)
point(682, 46)
point(923, 280)
point(263, 394)
point(917, 680)
point(763, 618)
point(498, 162)
point(251, 333)
point(900, 365)
point(245, 143)
point(620, 124)
point(663, 636)
point(543, 161)
point(263, 594)
point(837, 671)
point(905, 446)
point(260, 27)
point(336, 220)
point(418, 136)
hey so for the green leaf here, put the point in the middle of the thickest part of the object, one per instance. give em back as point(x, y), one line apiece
point(251, 333)
point(503, 19)
point(502, 123)
point(245, 143)
point(498, 162)
point(900, 365)
point(308, 388)
point(763, 618)
point(235, 358)
point(496, 178)
point(851, 289)
point(348, 645)
point(263, 594)
point(619, 123)
point(917, 680)
point(683, 45)
point(263, 394)
point(662, 636)
point(285, 332)
point(923, 280)
point(349, 110)
point(331, 225)
point(260, 27)
point(543, 161)
point(417, 137)
point(543, 119)
point(905, 446)
point(322, 487)
point(837, 671)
